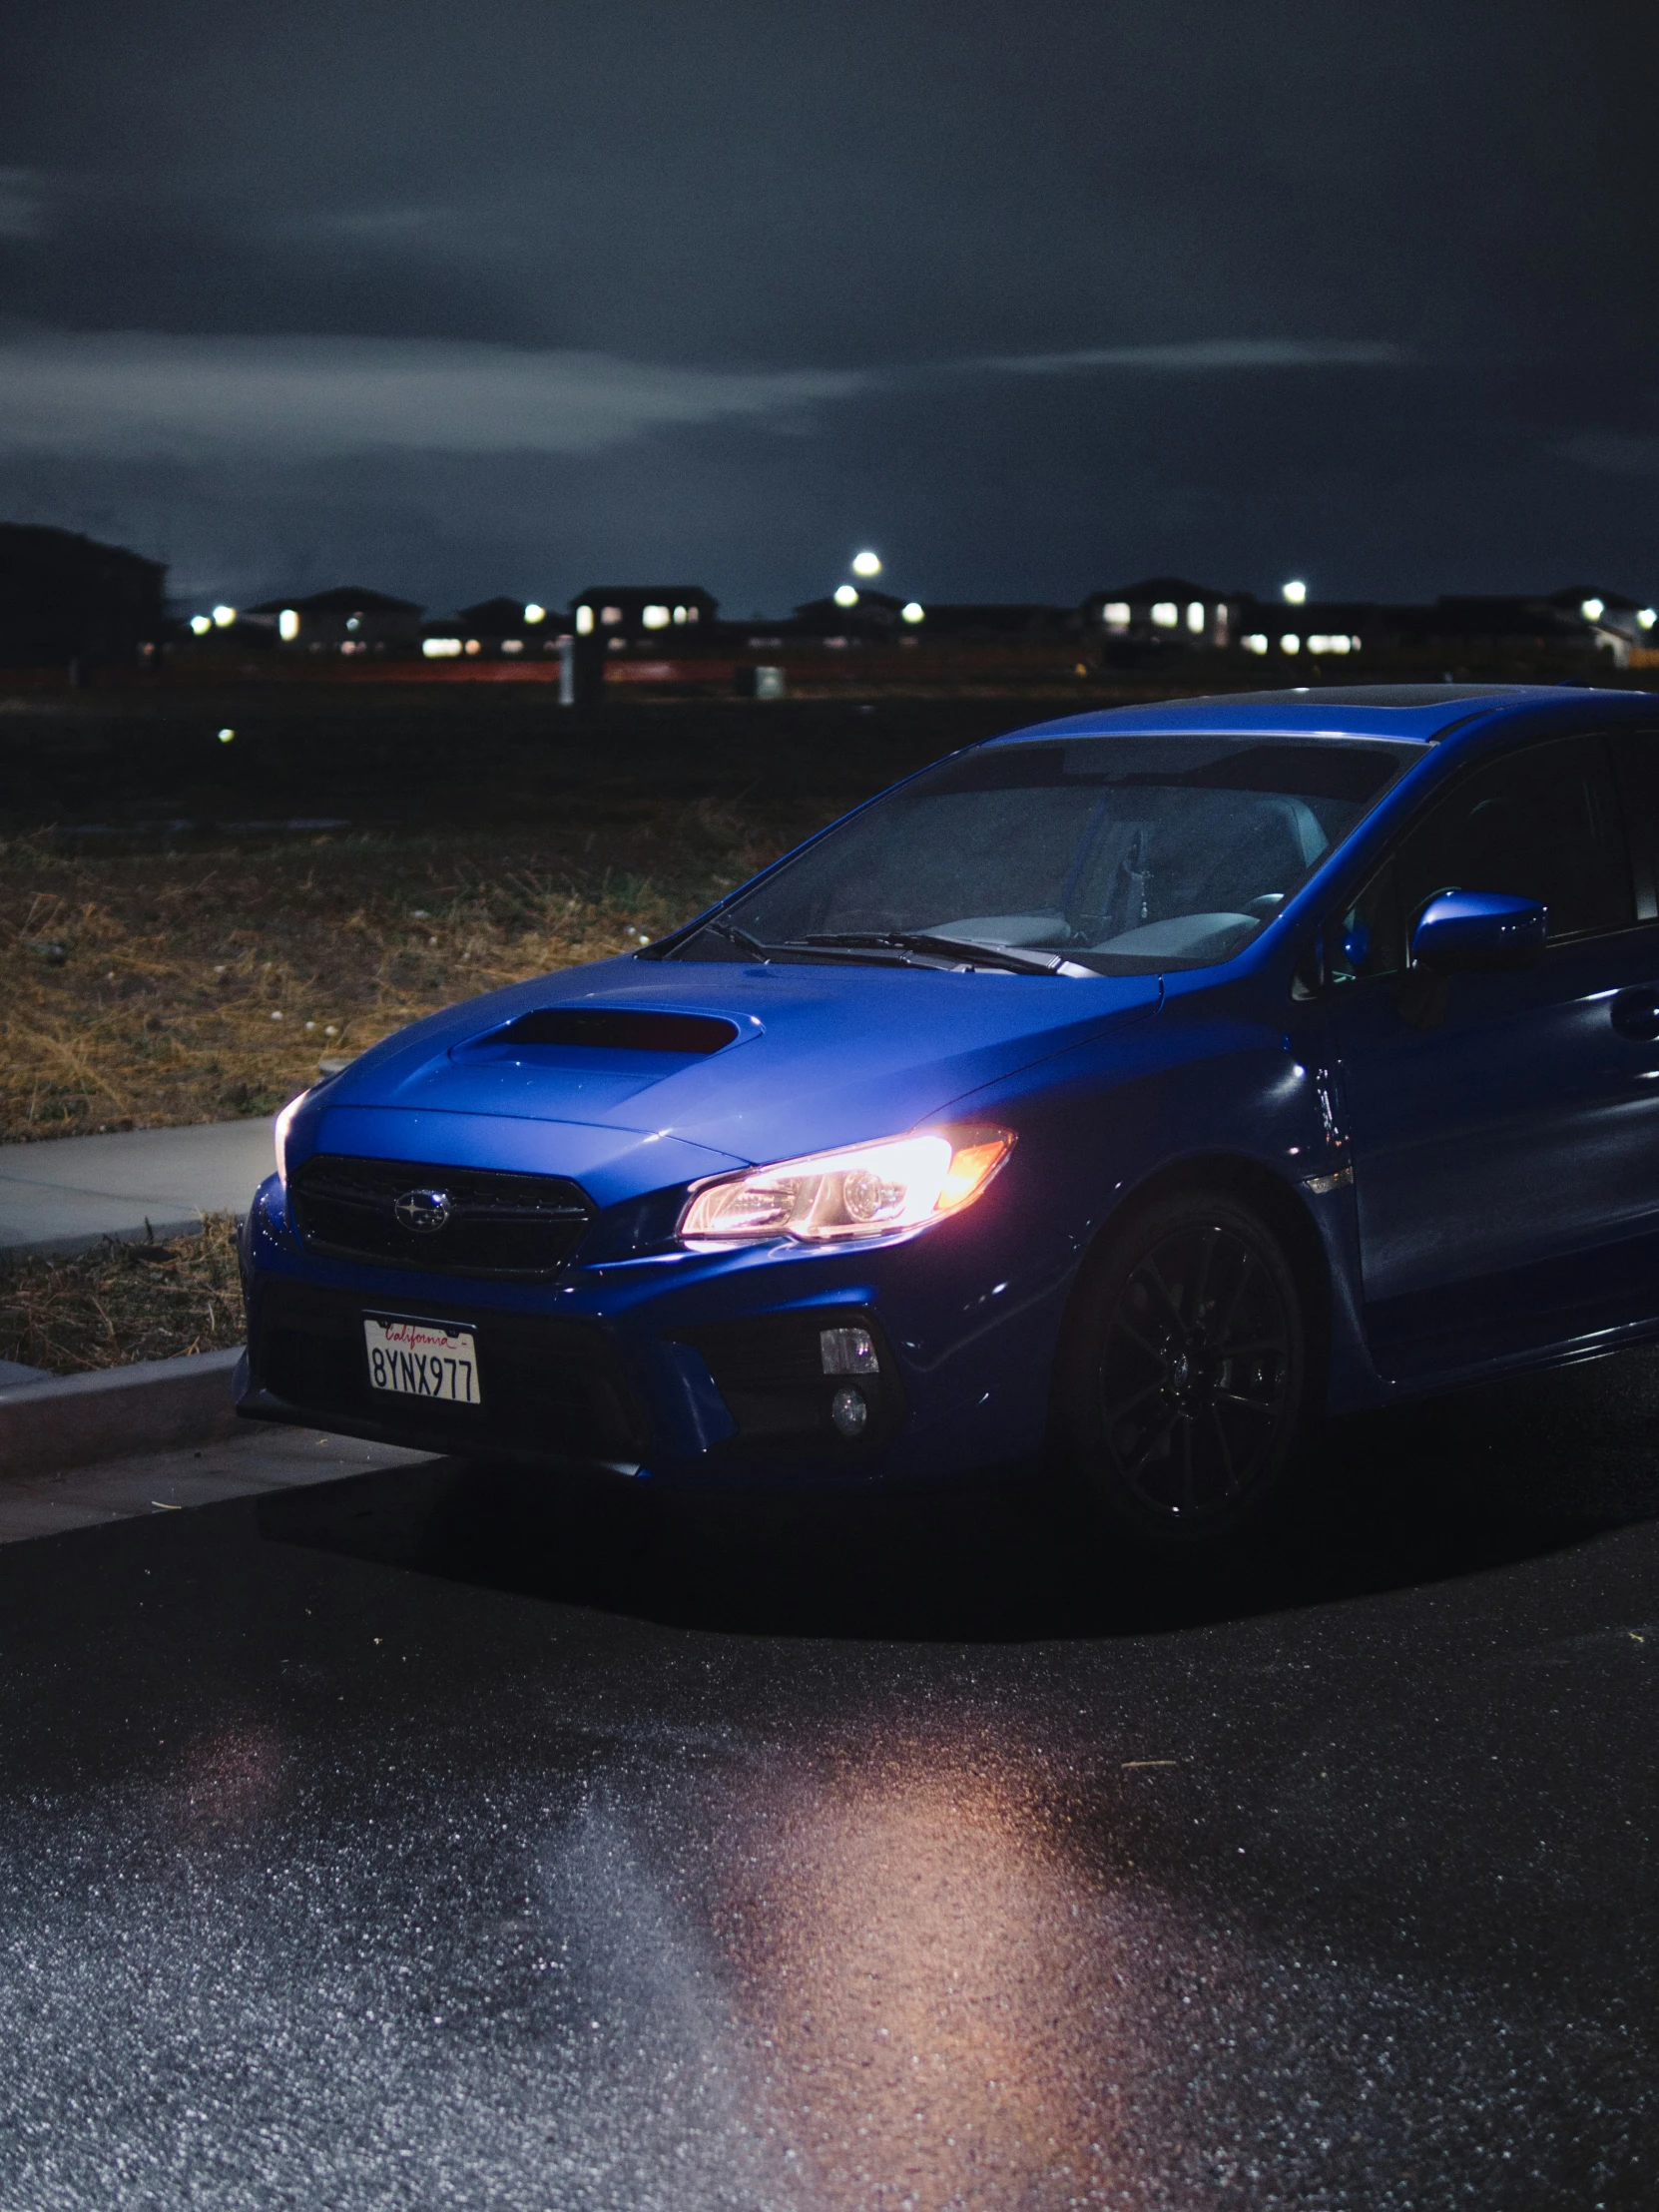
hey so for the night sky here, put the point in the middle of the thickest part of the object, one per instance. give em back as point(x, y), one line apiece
point(517, 298)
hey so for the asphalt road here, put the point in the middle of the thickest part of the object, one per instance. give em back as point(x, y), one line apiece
point(431, 1839)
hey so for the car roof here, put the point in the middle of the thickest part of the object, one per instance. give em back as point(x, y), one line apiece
point(1416, 713)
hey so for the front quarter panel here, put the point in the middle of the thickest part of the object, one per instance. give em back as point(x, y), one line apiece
point(1223, 1085)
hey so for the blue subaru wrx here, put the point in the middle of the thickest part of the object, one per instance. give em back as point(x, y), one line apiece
point(1129, 1092)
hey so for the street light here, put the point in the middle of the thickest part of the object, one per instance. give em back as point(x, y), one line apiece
point(866, 564)
point(845, 596)
point(1293, 593)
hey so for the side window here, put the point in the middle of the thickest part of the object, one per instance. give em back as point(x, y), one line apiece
point(1366, 939)
point(1541, 823)
point(1636, 761)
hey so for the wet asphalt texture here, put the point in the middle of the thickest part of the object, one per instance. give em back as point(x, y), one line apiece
point(446, 1837)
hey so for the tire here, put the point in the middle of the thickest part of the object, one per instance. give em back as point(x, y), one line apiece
point(1183, 1382)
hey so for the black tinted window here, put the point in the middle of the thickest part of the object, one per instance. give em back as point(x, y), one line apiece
point(1540, 823)
point(1369, 936)
point(1636, 758)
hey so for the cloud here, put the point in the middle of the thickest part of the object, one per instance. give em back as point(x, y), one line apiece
point(25, 195)
point(1613, 453)
point(139, 395)
point(375, 224)
point(142, 395)
point(1204, 355)
point(420, 229)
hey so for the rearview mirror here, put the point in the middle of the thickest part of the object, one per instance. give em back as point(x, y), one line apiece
point(1487, 932)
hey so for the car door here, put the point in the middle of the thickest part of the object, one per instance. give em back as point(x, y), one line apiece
point(1504, 1128)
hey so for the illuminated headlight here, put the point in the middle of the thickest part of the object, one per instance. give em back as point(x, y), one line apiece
point(870, 1190)
point(285, 1122)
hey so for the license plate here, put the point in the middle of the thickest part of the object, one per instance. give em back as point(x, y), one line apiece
point(422, 1358)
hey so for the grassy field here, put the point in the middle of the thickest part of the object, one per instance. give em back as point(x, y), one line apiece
point(145, 989)
point(175, 962)
point(124, 1302)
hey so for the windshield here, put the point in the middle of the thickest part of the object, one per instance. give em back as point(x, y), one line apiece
point(1119, 854)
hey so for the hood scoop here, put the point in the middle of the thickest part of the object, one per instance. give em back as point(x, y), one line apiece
point(623, 1038)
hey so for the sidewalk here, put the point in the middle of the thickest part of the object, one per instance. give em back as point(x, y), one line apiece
point(243, 1465)
point(60, 1197)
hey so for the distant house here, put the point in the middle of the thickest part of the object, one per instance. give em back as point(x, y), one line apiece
point(495, 629)
point(1577, 623)
point(1618, 622)
point(1462, 627)
point(993, 622)
point(869, 615)
point(855, 615)
point(348, 619)
point(1160, 614)
point(67, 599)
point(1325, 628)
point(1574, 624)
point(627, 614)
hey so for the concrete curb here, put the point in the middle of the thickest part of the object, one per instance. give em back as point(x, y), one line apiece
point(160, 1231)
point(73, 1420)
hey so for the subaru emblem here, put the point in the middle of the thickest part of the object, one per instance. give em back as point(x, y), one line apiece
point(423, 1211)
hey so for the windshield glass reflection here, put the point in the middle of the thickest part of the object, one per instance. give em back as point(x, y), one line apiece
point(1118, 855)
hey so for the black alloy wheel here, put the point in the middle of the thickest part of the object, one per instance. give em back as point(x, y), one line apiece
point(1184, 1377)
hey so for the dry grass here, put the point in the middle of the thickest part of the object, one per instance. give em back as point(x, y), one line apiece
point(150, 989)
point(124, 1302)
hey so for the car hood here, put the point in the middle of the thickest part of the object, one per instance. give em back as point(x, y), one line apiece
point(551, 1075)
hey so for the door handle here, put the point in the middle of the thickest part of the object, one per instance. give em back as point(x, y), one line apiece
point(1636, 1013)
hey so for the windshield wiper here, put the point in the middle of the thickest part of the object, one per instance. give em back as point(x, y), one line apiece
point(958, 949)
point(899, 944)
point(720, 927)
point(805, 947)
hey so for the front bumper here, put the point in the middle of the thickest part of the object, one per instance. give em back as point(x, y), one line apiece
point(690, 1368)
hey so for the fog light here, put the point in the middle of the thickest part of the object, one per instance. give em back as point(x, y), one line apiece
point(847, 1352)
point(850, 1412)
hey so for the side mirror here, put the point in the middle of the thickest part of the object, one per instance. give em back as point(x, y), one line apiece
point(1487, 932)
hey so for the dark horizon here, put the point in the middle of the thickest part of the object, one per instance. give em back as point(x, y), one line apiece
point(453, 307)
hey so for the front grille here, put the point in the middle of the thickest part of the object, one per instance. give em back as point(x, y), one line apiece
point(514, 1227)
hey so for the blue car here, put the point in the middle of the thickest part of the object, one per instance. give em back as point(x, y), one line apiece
point(1127, 1093)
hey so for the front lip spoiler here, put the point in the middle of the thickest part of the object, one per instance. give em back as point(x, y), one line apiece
point(262, 1404)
